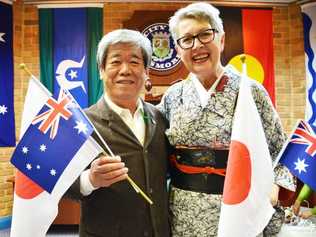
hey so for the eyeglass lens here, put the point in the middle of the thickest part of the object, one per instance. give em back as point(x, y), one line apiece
point(204, 37)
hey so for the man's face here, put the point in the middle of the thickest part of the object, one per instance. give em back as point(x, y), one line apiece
point(201, 59)
point(124, 73)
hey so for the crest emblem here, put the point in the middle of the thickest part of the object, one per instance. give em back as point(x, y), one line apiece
point(164, 55)
point(161, 44)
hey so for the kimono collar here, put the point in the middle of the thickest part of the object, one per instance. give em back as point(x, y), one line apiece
point(222, 83)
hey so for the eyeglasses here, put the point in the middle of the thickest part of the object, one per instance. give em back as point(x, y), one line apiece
point(206, 36)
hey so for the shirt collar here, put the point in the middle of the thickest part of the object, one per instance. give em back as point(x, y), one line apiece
point(122, 111)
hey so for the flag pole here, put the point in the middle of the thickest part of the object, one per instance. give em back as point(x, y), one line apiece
point(24, 67)
point(133, 184)
point(244, 65)
point(275, 163)
point(130, 180)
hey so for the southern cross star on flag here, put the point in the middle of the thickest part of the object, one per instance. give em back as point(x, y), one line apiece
point(7, 124)
point(299, 154)
point(55, 148)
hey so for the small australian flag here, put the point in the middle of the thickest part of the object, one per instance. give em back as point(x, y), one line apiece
point(299, 155)
point(52, 140)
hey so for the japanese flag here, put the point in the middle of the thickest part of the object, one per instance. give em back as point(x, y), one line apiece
point(246, 207)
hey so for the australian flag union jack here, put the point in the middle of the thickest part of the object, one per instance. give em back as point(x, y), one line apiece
point(50, 118)
point(43, 156)
point(299, 155)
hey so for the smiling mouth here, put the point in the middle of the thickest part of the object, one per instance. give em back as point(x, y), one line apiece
point(125, 82)
point(200, 58)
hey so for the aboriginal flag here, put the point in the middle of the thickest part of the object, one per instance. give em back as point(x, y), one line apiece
point(249, 31)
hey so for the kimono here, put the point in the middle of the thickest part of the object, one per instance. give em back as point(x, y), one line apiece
point(195, 213)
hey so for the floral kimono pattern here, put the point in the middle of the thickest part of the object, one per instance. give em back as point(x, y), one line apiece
point(197, 214)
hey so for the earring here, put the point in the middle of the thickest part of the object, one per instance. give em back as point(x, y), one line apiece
point(148, 85)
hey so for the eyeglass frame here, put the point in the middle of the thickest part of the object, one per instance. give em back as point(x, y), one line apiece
point(193, 37)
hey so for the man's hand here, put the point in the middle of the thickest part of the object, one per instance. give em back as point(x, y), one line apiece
point(107, 170)
point(274, 196)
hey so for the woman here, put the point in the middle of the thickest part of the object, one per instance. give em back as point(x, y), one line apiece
point(200, 110)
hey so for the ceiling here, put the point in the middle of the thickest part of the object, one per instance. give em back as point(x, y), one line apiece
point(223, 2)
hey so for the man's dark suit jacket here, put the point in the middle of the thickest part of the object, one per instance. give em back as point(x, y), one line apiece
point(118, 211)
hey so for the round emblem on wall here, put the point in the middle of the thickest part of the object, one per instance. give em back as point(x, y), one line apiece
point(164, 55)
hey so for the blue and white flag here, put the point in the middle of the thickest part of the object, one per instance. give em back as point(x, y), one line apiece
point(309, 22)
point(54, 137)
point(299, 154)
point(70, 52)
point(55, 148)
point(7, 126)
point(68, 39)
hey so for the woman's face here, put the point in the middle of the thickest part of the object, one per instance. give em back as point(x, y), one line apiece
point(202, 59)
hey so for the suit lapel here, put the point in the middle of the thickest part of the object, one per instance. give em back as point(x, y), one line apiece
point(150, 125)
point(114, 121)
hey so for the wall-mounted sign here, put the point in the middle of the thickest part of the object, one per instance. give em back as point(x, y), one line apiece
point(164, 55)
point(166, 66)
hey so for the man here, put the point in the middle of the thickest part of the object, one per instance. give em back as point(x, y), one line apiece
point(134, 130)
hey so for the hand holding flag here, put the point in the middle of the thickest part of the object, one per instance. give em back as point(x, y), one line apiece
point(44, 158)
point(50, 119)
point(55, 148)
point(48, 162)
point(299, 153)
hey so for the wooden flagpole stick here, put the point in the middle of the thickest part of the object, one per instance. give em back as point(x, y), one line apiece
point(24, 67)
point(244, 65)
point(132, 183)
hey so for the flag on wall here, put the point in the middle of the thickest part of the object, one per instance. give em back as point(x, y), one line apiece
point(55, 148)
point(249, 31)
point(246, 207)
point(309, 24)
point(7, 126)
point(68, 45)
point(299, 154)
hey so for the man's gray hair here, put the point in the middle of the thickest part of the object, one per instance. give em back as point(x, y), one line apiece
point(124, 36)
point(199, 11)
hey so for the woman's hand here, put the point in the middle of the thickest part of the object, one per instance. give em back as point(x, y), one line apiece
point(274, 196)
point(296, 207)
point(306, 214)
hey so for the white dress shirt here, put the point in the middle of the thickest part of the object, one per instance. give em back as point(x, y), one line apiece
point(134, 121)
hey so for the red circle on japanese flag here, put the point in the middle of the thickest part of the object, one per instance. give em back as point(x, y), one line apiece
point(238, 174)
point(25, 187)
